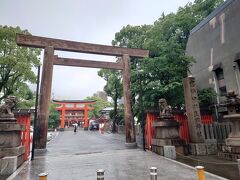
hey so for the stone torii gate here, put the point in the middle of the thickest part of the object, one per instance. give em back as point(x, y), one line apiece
point(50, 59)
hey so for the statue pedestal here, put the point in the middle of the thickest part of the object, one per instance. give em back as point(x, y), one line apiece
point(167, 134)
point(11, 152)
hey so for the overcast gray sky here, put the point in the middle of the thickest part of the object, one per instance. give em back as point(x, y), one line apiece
point(93, 21)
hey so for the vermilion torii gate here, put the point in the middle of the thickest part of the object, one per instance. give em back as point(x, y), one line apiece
point(49, 46)
point(74, 110)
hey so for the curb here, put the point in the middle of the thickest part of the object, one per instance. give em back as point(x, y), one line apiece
point(208, 173)
point(15, 173)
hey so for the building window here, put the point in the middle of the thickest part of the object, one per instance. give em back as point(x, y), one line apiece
point(221, 82)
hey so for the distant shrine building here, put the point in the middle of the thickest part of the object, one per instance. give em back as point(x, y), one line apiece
point(215, 45)
point(74, 111)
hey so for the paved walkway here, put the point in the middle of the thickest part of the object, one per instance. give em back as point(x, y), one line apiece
point(77, 157)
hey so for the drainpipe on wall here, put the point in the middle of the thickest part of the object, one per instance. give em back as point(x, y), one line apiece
point(236, 71)
point(216, 87)
point(216, 90)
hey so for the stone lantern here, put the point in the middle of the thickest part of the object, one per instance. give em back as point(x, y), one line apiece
point(233, 141)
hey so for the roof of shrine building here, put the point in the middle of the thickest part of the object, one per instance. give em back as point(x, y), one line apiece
point(218, 10)
point(74, 101)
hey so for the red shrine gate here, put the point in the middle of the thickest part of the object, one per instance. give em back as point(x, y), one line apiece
point(50, 45)
point(74, 111)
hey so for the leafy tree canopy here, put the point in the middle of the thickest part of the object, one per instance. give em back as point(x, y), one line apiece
point(99, 105)
point(54, 116)
point(114, 86)
point(114, 89)
point(161, 74)
point(16, 64)
point(207, 96)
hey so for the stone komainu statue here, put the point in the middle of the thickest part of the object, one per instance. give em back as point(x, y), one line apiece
point(165, 110)
point(7, 107)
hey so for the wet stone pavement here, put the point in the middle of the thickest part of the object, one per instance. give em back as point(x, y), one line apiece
point(77, 156)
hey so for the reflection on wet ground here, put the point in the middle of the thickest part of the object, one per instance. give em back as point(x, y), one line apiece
point(78, 156)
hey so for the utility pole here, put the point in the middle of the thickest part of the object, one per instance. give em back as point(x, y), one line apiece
point(35, 114)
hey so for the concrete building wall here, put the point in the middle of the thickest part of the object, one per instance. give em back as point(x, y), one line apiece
point(215, 41)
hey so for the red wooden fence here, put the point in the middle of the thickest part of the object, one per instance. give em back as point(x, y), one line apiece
point(207, 119)
point(24, 118)
point(184, 129)
point(181, 118)
point(149, 130)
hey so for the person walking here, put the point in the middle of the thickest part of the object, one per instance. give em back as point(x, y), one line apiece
point(75, 128)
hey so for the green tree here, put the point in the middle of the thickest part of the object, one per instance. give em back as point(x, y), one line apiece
point(119, 117)
point(207, 96)
point(167, 41)
point(161, 74)
point(27, 98)
point(16, 64)
point(99, 105)
point(54, 116)
point(131, 36)
point(113, 88)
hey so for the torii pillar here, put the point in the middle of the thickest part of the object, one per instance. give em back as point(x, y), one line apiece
point(86, 123)
point(63, 117)
point(128, 114)
point(45, 96)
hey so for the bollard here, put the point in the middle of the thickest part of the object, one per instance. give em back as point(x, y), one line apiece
point(43, 176)
point(100, 174)
point(153, 173)
point(200, 172)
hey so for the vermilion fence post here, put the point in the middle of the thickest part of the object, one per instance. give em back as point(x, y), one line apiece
point(25, 119)
point(206, 119)
point(28, 141)
point(184, 129)
point(149, 130)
